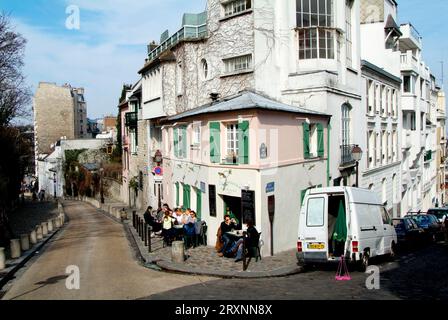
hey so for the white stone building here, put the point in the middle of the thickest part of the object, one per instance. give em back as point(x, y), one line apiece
point(418, 141)
point(51, 167)
point(381, 120)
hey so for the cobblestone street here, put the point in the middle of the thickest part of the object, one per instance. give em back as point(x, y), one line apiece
point(415, 275)
point(99, 246)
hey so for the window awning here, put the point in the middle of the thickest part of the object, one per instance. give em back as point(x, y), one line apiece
point(391, 25)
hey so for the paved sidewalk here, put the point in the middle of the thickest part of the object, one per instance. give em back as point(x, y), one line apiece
point(204, 260)
point(23, 221)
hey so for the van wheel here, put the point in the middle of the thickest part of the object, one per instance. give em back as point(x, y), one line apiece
point(364, 262)
point(393, 251)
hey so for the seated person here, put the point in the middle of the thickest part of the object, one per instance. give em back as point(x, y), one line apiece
point(226, 226)
point(167, 228)
point(151, 221)
point(252, 239)
point(178, 216)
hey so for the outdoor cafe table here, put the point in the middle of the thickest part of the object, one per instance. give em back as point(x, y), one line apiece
point(236, 235)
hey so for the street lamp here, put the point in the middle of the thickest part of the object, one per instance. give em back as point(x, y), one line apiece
point(357, 155)
point(101, 185)
point(158, 157)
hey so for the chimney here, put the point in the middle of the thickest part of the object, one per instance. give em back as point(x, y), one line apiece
point(214, 96)
point(152, 46)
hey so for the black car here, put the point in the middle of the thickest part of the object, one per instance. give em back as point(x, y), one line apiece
point(440, 213)
point(434, 230)
point(409, 234)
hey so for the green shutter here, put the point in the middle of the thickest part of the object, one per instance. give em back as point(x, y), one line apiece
point(320, 140)
point(215, 142)
point(186, 198)
point(198, 203)
point(176, 142)
point(243, 142)
point(302, 196)
point(306, 140)
point(177, 194)
point(184, 142)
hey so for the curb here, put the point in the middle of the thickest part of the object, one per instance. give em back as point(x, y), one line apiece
point(27, 257)
point(168, 266)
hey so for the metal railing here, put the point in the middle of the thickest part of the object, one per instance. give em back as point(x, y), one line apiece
point(185, 33)
point(131, 119)
point(347, 155)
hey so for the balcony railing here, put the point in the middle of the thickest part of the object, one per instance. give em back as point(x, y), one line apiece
point(347, 155)
point(185, 33)
point(131, 119)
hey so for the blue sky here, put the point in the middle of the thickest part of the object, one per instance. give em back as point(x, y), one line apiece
point(110, 46)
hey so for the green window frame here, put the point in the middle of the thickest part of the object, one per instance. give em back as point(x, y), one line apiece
point(215, 142)
point(243, 137)
point(320, 140)
point(306, 140)
point(198, 203)
point(176, 142)
point(177, 194)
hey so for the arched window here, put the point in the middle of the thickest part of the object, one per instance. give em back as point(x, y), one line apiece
point(346, 123)
point(204, 66)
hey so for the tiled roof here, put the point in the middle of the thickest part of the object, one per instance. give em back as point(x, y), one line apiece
point(245, 100)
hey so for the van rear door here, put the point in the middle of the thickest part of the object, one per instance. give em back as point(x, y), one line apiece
point(316, 224)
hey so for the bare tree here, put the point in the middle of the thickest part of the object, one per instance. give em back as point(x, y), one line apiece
point(15, 95)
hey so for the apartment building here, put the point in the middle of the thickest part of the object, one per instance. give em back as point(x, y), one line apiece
point(381, 121)
point(59, 111)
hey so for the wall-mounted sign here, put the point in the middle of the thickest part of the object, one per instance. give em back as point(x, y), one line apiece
point(203, 187)
point(270, 187)
point(158, 171)
point(263, 151)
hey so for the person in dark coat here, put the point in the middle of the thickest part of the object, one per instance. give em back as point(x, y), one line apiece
point(151, 221)
point(252, 238)
point(226, 226)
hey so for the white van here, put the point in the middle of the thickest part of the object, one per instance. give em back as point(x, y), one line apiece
point(366, 226)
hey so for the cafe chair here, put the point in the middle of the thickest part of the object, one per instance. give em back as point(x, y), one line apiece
point(255, 252)
point(201, 233)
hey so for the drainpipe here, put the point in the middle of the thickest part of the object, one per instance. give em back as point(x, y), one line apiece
point(328, 154)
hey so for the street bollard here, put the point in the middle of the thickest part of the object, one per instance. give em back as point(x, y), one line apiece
point(147, 233)
point(39, 233)
point(143, 230)
point(15, 249)
point(25, 242)
point(33, 237)
point(178, 252)
point(140, 229)
point(44, 228)
point(133, 219)
point(2, 259)
point(50, 225)
point(149, 240)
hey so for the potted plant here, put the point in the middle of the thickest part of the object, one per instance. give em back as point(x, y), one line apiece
point(231, 157)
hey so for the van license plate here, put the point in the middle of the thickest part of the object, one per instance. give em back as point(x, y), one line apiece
point(316, 246)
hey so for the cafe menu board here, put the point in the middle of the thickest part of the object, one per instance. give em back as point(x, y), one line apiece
point(248, 205)
point(212, 199)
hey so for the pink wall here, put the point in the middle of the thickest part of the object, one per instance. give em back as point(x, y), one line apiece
point(286, 149)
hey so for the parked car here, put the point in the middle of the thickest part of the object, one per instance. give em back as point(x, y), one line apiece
point(434, 230)
point(342, 221)
point(440, 213)
point(409, 234)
